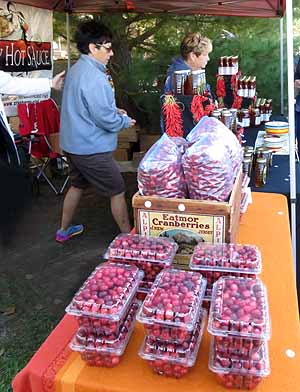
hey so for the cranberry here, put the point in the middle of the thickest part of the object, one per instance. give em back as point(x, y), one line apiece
point(160, 171)
point(149, 254)
point(171, 308)
point(211, 131)
point(102, 350)
point(242, 310)
point(173, 359)
point(102, 302)
point(239, 371)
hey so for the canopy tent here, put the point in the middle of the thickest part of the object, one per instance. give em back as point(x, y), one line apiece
point(260, 8)
point(245, 8)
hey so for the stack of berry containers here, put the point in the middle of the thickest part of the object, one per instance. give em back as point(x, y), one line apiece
point(240, 324)
point(173, 320)
point(105, 350)
point(105, 307)
point(216, 260)
point(149, 254)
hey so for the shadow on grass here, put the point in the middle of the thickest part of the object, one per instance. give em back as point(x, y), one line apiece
point(17, 347)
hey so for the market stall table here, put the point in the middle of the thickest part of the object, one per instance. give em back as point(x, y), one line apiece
point(266, 224)
point(278, 181)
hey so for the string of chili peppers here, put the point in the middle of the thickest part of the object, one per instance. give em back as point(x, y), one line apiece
point(172, 116)
point(201, 105)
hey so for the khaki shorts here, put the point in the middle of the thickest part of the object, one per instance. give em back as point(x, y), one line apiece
point(99, 170)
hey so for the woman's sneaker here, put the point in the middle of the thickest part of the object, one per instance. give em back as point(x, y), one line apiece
point(65, 235)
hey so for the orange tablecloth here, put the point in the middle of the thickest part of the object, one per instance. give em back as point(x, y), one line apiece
point(266, 224)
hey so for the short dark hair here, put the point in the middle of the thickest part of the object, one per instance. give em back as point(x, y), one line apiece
point(91, 32)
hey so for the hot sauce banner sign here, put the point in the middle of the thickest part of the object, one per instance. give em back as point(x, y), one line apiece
point(18, 56)
point(201, 227)
point(26, 35)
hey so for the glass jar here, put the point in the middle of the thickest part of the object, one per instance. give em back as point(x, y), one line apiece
point(226, 118)
point(188, 85)
point(198, 81)
point(216, 114)
point(245, 118)
point(233, 120)
point(249, 149)
point(247, 166)
point(179, 81)
point(260, 172)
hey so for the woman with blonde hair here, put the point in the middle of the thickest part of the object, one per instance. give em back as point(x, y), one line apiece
point(194, 50)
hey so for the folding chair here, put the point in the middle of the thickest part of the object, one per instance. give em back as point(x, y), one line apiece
point(37, 122)
point(54, 142)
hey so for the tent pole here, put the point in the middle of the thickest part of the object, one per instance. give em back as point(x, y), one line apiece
point(290, 67)
point(281, 69)
point(68, 38)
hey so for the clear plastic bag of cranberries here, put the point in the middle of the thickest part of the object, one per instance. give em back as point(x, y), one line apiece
point(219, 133)
point(160, 172)
point(208, 170)
point(150, 254)
point(171, 308)
point(104, 299)
point(173, 359)
point(235, 371)
point(105, 350)
point(216, 260)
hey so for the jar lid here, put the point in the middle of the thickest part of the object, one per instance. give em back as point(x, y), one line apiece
point(261, 160)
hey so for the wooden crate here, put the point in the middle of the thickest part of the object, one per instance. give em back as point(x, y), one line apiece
point(147, 140)
point(189, 221)
point(122, 154)
point(129, 135)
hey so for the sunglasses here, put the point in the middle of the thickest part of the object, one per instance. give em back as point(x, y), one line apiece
point(107, 46)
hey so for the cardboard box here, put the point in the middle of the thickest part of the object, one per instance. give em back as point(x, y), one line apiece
point(188, 221)
point(147, 140)
point(121, 154)
point(129, 135)
point(14, 123)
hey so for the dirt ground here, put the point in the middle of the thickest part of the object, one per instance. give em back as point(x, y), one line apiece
point(38, 272)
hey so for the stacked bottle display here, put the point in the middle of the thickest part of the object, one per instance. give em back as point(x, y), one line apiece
point(174, 321)
point(240, 324)
point(216, 260)
point(105, 308)
point(149, 254)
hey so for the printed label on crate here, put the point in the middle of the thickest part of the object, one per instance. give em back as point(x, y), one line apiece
point(187, 229)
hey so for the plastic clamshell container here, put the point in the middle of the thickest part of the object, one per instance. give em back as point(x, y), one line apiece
point(216, 260)
point(213, 275)
point(171, 359)
point(106, 295)
point(227, 257)
point(230, 345)
point(105, 350)
point(174, 301)
point(136, 247)
point(239, 373)
point(239, 307)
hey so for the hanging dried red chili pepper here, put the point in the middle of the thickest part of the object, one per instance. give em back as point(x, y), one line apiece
point(172, 116)
point(220, 86)
point(197, 109)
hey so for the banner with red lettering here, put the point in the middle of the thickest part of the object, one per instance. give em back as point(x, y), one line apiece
point(26, 35)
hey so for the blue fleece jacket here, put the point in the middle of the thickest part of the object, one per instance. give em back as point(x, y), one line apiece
point(89, 119)
point(178, 64)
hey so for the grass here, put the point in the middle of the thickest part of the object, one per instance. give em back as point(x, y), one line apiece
point(22, 332)
point(24, 337)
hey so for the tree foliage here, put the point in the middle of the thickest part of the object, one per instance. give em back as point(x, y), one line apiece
point(145, 44)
